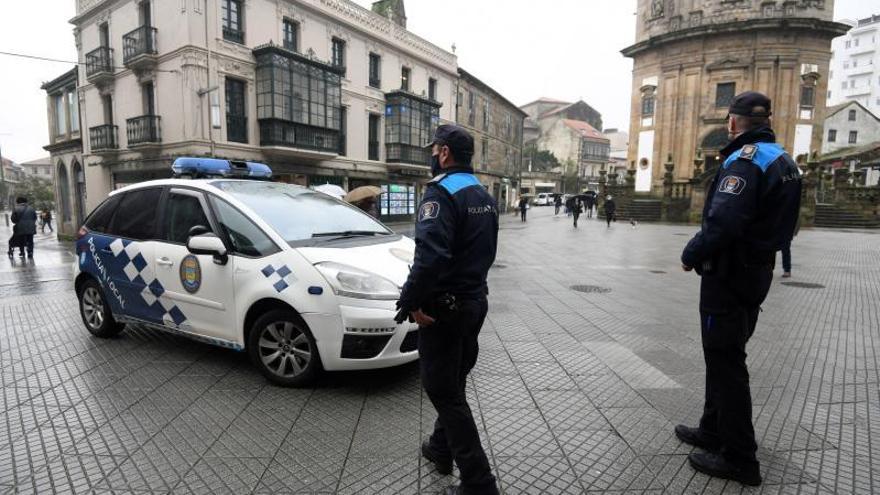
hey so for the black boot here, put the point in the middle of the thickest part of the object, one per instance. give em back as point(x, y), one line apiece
point(719, 467)
point(695, 437)
point(452, 490)
point(442, 462)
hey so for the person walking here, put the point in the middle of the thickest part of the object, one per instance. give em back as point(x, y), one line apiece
point(523, 208)
point(576, 209)
point(46, 221)
point(610, 209)
point(445, 293)
point(557, 202)
point(786, 252)
point(750, 213)
point(589, 203)
point(24, 220)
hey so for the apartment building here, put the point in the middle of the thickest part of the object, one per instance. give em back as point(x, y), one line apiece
point(855, 65)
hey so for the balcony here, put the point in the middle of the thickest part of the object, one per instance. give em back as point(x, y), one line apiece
point(286, 134)
point(99, 65)
point(139, 48)
point(407, 153)
point(236, 129)
point(143, 130)
point(103, 138)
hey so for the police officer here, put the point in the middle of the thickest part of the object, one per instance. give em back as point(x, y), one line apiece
point(750, 213)
point(456, 239)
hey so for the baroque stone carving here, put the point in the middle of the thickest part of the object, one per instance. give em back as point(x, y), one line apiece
point(657, 9)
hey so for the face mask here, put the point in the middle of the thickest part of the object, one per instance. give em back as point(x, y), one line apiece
point(436, 169)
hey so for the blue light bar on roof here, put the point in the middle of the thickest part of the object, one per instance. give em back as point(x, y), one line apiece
point(198, 168)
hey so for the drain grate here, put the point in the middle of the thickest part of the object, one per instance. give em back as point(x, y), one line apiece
point(590, 289)
point(804, 285)
point(499, 266)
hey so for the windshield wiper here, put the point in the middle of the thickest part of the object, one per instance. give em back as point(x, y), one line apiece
point(349, 233)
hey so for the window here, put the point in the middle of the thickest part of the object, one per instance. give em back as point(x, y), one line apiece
point(405, 74)
point(246, 238)
point(375, 70)
point(486, 114)
point(832, 135)
point(409, 124)
point(853, 137)
point(99, 220)
point(648, 106)
point(472, 103)
point(769, 10)
point(236, 111)
point(848, 43)
point(343, 123)
point(484, 154)
point(808, 96)
point(182, 213)
point(73, 110)
point(136, 215)
point(852, 115)
point(107, 106)
point(104, 34)
point(843, 85)
point(338, 55)
point(291, 33)
point(829, 95)
point(233, 28)
point(373, 137)
point(60, 115)
point(856, 42)
point(432, 89)
point(724, 94)
point(846, 64)
point(148, 98)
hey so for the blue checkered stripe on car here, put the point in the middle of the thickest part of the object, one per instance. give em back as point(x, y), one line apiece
point(280, 275)
point(140, 273)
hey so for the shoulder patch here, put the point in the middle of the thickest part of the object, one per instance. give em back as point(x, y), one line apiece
point(732, 184)
point(748, 151)
point(429, 211)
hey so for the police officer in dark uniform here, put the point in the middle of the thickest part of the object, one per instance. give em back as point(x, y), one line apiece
point(456, 239)
point(750, 213)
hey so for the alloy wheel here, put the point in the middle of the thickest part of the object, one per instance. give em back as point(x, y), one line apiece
point(284, 349)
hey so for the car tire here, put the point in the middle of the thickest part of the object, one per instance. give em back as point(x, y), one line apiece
point(281, 346)
point(95, 312)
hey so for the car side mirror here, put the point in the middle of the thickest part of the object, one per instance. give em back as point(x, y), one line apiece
point(198, 230)
point(208, 244)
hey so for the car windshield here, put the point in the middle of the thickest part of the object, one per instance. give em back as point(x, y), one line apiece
point(300, 215)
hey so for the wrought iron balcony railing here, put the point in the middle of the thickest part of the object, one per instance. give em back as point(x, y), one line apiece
point(141, 41)
point(103, 137)
point(406, 153)
point(99, 60)
point(275, 132)
point(143, 129)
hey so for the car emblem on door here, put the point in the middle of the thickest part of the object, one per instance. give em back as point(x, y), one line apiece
point(190, 274)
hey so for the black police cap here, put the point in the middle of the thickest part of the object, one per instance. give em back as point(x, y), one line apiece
point(459, 141)
point(751, 104)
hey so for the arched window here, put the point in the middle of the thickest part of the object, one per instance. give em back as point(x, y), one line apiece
point(79, 189)
point(852, 115)
point(63, 193)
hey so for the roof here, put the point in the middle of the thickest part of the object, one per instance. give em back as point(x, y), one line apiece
point(40, 162)
point(849, 152)
point(61, 81)
point(476, 82)
point(830, 111)
point(544, 99)
point(585, 129)
point(566, 107)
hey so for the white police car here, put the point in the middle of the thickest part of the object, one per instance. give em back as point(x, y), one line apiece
point(296, 278)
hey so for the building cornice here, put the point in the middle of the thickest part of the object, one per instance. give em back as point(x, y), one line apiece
point(61, 82)
point(69, 145)
point(815, 27)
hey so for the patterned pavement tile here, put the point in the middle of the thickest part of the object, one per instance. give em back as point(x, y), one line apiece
point(519, 432)
point(570, 411)
point(73, 474)
point(550, 475)
point(222, 475)
point(603, 461)
point(375, 475)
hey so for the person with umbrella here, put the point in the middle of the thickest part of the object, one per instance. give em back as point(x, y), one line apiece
point(576, 208)
point(589, 202)
point(610, 209)
point(366, 198)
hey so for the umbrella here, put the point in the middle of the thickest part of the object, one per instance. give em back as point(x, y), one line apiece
point(362, 193)
point(331, 190)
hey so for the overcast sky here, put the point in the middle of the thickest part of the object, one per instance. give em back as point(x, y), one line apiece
point(566, 49)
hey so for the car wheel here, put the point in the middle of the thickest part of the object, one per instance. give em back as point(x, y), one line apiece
point(96, 312)
point(282, 347)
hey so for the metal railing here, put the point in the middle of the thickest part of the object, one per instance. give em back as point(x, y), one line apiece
point(99, 60)
point(275, 132)
point(406, 153)
point(103, 137)
point(143, 129)
point(236, 128)
point(141, 41)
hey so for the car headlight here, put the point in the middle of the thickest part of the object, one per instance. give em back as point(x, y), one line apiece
point(349, 281)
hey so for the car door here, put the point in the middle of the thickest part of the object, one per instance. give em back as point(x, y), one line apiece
point(125, 252)
point(197, 292)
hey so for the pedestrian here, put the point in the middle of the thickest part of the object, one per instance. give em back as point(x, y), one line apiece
point(610, 210)
point(445, 294)
point(557, 201)
point(46, 221)
point(589, 203)
point(750, 213)
point(24, 220)
point(786, 252)
point(576, 209)
point(523, 208)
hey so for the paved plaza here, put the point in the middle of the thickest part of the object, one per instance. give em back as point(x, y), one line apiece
point(576, 391)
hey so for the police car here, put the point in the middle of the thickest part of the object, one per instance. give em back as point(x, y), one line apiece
point(298, 279)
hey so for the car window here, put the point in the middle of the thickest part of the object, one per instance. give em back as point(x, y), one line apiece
point(99, 220)
point(135, 216)
point(182, 213)
point(246, 238)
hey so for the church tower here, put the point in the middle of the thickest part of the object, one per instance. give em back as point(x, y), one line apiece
point(392, 9)
point(692, 56)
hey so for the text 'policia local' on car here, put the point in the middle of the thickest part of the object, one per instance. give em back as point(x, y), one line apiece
point(298, 279)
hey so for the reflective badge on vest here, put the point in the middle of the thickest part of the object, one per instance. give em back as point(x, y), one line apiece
point(748, 151)
point(429, 210)
point(732, 185)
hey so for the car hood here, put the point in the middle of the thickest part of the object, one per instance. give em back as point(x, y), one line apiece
point(387, 259)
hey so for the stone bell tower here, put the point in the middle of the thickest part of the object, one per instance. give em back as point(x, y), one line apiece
point(392, 9)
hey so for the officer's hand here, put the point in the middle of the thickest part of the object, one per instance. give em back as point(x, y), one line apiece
point(422, 319)
point(686, 268)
